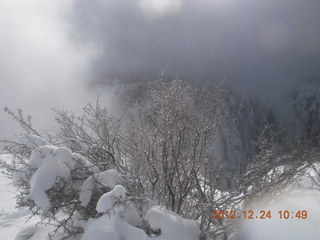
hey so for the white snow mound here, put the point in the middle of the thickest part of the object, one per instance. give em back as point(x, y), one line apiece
point(32, 141)
point(106, 201)
point(172, 225)
point(109, 178)
point(114, 228)
point(51, 163)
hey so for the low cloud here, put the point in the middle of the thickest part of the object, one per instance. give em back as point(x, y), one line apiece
point(254, 45)
point(52, 51)
point(41, 67)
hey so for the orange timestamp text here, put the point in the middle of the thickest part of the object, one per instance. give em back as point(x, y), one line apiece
point(263, 214)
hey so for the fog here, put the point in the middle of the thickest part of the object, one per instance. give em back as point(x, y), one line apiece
point(53, 52)
point(41, 67)
point(253, 45)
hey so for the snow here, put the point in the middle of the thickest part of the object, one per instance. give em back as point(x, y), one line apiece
point(33, 232)
point(86, 191)
point(132, 216)
point(51, 163)
point(6, 158)
point(107, 200)
point(310, 179)
point(36, 158)
point(117, 225)
point(41, 181)
point(112, 228)
point(81, 160)
point(32, 141)
point(292, 228)
point(234, 236)
point(64, 155)
point(172, 225)
point(302, 194)
point(19, 174)
point(109, 178)
point(12, 220)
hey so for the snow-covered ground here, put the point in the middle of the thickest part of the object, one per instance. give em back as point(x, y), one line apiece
point(12, 220)
point(303, 195)
point(14, 223)
point(292, 227)
point(110, 226)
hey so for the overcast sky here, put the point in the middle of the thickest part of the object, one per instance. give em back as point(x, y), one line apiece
point(51, 51)
point(248, 42)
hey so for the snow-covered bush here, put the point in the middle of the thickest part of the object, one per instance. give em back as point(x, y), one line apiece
point(106, 179)
point(49, 181)
point(104, 175)
point(62, 178)
point(169, 139)
point(116, 226)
